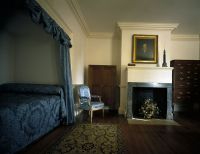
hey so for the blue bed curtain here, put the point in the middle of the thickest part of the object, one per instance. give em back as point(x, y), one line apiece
point(39, 16)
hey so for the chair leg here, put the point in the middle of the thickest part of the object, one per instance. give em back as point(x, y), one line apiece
point(91, 115)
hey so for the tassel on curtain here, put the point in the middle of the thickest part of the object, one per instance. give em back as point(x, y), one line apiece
point(39, 16)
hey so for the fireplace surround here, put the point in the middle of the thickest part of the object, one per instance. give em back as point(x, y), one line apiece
point(161, 92)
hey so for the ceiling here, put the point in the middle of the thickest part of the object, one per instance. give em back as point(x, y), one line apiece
point(103, 15)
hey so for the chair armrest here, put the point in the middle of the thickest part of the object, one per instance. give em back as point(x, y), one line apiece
point(96, 96)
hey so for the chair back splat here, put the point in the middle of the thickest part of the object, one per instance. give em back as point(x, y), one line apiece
point(89, 102)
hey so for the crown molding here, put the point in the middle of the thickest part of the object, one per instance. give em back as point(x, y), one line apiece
point(82, 21)
point(184, 37)
point(53, 13)
point(79, 15)
point(100, 35)
point(147, 26)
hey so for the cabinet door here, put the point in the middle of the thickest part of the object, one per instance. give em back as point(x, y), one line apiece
point(102, 81)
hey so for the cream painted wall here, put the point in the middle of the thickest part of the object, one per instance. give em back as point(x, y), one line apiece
point(185, 49)
point(6, 57)
point(36, 53)
point(36, 59)
point(97, 48)
point(62, 12)
point(103, 51)
point(99, 51)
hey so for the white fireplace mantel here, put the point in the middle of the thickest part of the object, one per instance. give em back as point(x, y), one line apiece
point(149, 74)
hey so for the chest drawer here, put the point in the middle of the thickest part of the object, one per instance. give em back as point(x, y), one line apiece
point(186, 75)
point(186, 85)
point(186, 81)
point(182, 95)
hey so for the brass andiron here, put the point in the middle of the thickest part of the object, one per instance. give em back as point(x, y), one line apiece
point(164, 64)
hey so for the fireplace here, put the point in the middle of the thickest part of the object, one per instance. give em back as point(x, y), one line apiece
point(161, 93)
point(149, 82)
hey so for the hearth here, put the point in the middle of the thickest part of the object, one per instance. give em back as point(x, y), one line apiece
point(161, 93)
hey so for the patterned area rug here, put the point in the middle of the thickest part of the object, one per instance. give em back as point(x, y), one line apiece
point(90, 139)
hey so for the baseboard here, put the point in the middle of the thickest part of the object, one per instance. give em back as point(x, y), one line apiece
point(186, 107)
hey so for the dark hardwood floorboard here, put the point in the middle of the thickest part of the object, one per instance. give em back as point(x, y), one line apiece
point(138, 139)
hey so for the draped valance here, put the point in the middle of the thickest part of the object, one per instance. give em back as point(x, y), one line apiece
point(39, 16)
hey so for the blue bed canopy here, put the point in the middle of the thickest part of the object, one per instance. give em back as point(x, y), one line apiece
point(39, 16)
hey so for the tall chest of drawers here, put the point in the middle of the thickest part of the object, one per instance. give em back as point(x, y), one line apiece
point(186, 81)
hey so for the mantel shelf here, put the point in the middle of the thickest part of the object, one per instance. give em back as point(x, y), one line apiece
point(143, 67)
point(149, 74)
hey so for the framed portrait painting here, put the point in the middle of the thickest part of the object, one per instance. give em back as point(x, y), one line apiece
point(145, 49)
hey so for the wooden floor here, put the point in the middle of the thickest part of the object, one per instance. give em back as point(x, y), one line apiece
point(139, 139)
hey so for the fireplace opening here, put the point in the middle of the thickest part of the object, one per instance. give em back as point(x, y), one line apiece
point(161, 93)
point(158, 95)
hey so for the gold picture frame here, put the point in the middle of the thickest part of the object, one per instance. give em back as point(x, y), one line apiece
point(145, 49)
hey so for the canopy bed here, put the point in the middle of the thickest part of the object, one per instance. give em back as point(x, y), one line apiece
point(29, 111)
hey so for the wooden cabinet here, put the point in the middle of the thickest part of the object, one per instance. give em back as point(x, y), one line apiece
point(186, 81)
point(102, 81)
